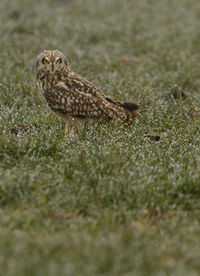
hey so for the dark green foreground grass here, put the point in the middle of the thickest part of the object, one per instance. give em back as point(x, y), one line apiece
point(113, 200)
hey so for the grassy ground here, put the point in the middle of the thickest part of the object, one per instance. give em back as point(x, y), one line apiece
point(114, 200)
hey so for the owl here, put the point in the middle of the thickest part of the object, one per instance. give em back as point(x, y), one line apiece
point(74, 98)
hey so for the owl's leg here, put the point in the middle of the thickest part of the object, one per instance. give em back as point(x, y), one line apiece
point(68, 128)
point(79, 124)
point(68, 131)
point(71, 124)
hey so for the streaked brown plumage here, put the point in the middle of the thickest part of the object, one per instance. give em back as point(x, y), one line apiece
point(74, 98)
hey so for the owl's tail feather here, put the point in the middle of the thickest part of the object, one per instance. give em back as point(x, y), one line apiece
point(130, 111)
point(129, 106)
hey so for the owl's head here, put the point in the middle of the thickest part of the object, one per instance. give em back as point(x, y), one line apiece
point(52, 61)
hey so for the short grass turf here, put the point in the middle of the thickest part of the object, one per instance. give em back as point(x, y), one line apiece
point(113, 200)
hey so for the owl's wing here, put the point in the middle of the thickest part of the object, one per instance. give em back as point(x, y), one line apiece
point(74, 102)
point(83, 85)
point(76, 82)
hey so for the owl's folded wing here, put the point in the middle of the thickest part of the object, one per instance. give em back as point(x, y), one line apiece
point(83, 85)
point(76, 82)
point(76, 103)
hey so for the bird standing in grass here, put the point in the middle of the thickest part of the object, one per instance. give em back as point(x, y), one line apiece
point(74, 98)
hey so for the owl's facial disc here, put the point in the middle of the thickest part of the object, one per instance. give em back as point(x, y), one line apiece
point(52, 65)
point(52, 61)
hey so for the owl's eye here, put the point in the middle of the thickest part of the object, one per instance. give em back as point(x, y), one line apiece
point(45, 61)
point(58, 61)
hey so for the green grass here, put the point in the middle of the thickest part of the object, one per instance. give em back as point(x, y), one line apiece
point(113, 200)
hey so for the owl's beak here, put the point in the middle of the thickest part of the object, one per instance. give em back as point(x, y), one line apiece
point(52, 68)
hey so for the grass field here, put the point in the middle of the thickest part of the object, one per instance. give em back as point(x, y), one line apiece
point(112, 200)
